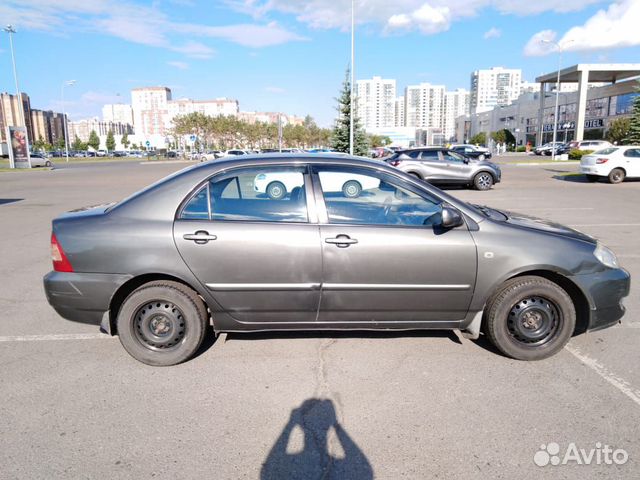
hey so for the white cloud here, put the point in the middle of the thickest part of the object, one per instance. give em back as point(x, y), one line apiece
point(248, 35)
point(179, 65)
point(493, 32)
point(274, 89)
point(615, 27)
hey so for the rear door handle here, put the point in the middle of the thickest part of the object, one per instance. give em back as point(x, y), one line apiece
point(200, 237)
point(342, 241)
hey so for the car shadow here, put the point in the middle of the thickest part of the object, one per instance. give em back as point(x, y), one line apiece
point(323, 450)
point(4, 201)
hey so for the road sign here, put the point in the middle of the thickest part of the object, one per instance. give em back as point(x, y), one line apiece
point(148, 143)
point(193, 138)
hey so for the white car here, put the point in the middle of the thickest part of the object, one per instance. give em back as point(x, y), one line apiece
point(615, 163)
point(229, 153)
point(277, 184)
point(589, 145)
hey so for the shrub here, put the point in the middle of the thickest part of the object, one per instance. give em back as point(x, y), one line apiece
point(578, 154)
point(521, 148)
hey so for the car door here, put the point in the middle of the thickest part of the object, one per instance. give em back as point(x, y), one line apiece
point(457, 169)
point(259, 256)
point(384, 257)
point(632, 162)
point(434, 168)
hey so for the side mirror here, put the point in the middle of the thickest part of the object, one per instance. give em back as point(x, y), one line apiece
point(451, 217)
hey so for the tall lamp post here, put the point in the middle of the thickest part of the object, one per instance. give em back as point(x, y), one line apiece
point(10, 30)
point(555, 112)
point(351, 107)
point(68, 83)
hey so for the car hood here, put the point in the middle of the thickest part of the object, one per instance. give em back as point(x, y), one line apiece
point(534, 223)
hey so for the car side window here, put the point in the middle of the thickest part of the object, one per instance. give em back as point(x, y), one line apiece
point(452, 157)
point(361, 197)
point(632, 152)
point(430, 155)
point(260, 194)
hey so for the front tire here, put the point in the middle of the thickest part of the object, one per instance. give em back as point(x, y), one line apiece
point(616, 175)
point(483, 181)
point(530, 318)
point(276, 190)
point(592, 178)
point(162, 323)
point(47, 163)
point(351, 189)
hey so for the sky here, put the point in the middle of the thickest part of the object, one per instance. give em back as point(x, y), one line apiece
point(290, 55)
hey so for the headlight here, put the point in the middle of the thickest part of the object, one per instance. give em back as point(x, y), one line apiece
point(606, 256)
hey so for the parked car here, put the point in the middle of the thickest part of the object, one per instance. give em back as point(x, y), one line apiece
point(547, 147)
point(210, 250)
point(560, 149)
point(135, 154)
point(472, 151)
point(278, 184)
point(234, 153)
point(443, 166)
point(613, 163)
point(210, 155)
point(119, 153)
point(589, 145)
point(40, 160)
point(102, 153)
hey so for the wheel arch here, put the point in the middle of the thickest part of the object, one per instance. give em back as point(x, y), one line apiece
point(132, 284)
point(578, 297)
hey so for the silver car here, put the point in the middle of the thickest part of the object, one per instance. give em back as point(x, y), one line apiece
point(446, 167)
point(205, 247)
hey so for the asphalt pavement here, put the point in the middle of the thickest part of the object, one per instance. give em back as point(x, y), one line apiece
point(344, 405)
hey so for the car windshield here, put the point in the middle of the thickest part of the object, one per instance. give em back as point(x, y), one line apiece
point(606, 151)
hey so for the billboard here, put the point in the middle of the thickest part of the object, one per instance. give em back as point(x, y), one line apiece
point(18, 147)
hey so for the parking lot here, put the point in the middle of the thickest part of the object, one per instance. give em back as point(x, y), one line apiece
point(344, 405)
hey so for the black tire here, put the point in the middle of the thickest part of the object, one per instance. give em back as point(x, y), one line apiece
point(481, 157)
point(178, 316)
point(530, 318)
point(483, 181)
point(47, 163)
point(276, 190)
point(417, 175)
point(616, 175)
point(352, 189)
point(592, 178)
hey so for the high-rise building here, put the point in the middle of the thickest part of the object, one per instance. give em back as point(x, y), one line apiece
point(376, 102)
point(10, 115)
point(47, 126)
point(82, 129)
point(151, 114)
point(496, 86)
point(424, 104)
point(212, 108)
point(401, 120)
point(456, 103)
point(270, 117)
point(117, 112)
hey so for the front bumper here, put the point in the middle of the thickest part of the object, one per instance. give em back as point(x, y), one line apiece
point(605, 291)
point(82, 297)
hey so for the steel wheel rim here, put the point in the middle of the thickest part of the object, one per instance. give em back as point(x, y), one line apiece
point(351, 190)
point(534, 321)
point(159, 325)
point(275, 191)
point(484, 180)
point(616, 176)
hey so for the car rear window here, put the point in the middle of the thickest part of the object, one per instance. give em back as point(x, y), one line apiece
point(606, 151)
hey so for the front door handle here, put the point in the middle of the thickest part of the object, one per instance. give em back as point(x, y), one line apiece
point(200, 237)
point(342, 241)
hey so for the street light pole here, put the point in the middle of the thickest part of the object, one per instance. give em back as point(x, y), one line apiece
point(351, 107)
point(68, 83)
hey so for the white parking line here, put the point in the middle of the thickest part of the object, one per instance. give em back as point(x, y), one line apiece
point(61, 336)
point(554, 208)
point(618, 382)
point(606, 225)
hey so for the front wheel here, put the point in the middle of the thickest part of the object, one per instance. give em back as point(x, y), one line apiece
point(352, 189)
point(276, 190)
point(530, 318)
point(592, 178)
point(483, 181)
point(162, 323)
point(616, 175)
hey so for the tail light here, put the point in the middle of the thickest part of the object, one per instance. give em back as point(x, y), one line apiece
point(60, 261)
point(602, 160)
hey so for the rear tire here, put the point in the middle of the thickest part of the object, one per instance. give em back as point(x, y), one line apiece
point(592, 178)
point(530, 318)
point(276, 190)
point(616, 175)
point(47, 163)
point(351, 189)
point(162, 323)
point(483, 181)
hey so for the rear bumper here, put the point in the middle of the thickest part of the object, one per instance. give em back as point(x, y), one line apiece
point(605, 292)
point(593, 170)
point(82, 297)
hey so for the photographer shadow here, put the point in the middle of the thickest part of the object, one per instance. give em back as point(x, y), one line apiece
point(314, 445)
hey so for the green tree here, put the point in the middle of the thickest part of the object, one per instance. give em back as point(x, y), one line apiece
point(633, 135)
point(341, 130)
point(110, 142)
point(479, 139)
point(38, 145)
point(125, 140)
point(618, 130)
point(59, 144)
point(94, 140)
point(134, 146)
point(379, 140)
point(78, 144)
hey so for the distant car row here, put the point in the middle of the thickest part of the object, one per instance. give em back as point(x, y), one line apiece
point(561, 147)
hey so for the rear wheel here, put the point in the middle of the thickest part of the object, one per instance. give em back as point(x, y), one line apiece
point(276, 190)
point(483, 181)
point(616, 175)
point(47, 163)
point(162, 323)
point(351, 189)
point(592, 178)
point(530, 318)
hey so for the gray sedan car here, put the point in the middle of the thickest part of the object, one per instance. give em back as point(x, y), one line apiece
point(347, 244)
point(443, 166)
